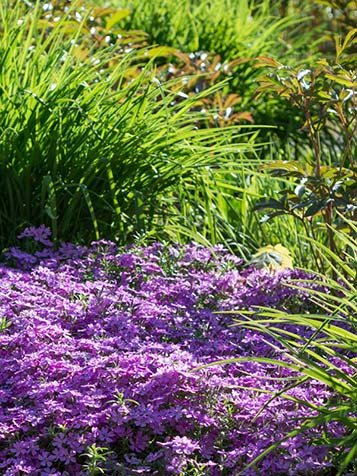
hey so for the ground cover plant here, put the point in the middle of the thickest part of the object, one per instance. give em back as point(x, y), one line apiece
point(100, 356)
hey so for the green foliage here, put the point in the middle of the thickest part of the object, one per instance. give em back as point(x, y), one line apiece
point(135, 167)
point(323, 182)
point(228, 34)
point(229, 28)
point(96, 458)
point(334, 17)
point(4, 324)
point(86, 146)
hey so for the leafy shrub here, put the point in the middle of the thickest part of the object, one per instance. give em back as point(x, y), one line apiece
point(236, 31)
point(324, 180)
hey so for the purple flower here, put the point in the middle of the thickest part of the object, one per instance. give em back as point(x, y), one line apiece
point(181, 445)
point(101, 349)
point(40, 234)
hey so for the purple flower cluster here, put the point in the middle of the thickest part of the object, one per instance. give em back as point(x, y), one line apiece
point(101, 349)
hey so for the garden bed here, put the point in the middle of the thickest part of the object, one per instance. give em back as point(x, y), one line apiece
point(101, 358)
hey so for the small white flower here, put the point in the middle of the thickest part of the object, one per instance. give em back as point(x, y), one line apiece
point(228, 112)
point(47, 7)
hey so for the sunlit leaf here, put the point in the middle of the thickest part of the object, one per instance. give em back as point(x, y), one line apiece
point(272, 257)
point(340, 80)
point(117, 17)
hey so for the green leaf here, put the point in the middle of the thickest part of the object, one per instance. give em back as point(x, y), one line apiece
point(161, 51)
point(117, 17)
point(339, 79)
point(272, 203)
point(284, 167)
point(316, 208)
point(4, 323)
point(349, 39)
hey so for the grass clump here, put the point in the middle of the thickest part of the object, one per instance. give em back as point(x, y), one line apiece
point(87, 146)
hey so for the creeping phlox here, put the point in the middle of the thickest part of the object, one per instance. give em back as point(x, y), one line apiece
point(99, 351)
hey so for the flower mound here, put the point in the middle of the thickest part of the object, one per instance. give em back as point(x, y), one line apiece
point(98, 355)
